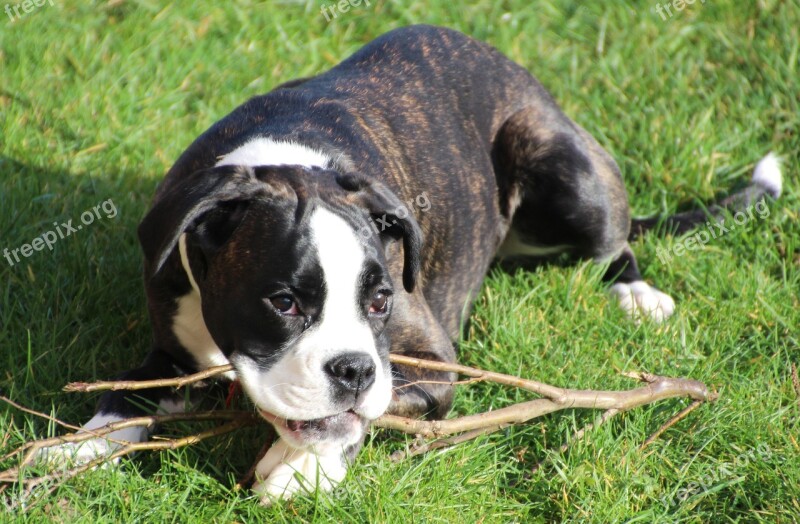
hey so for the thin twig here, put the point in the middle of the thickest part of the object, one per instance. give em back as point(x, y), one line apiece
point(59, 477)
point(38, 414)
point(148, 422)
point(658, 388)
point(440, 383)
point(44, 416)
point(177, 382)
point(238, 420)
point(671, 422)
point(796, 382)
point(420, 447)
point(508, 380)
point(545, 390)
point(579, 434)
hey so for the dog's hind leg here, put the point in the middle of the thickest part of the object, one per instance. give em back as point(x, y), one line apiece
point(562, 192)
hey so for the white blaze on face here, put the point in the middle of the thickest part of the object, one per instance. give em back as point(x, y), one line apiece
point(296, 386)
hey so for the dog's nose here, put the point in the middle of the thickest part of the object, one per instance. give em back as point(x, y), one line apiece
point(351, 372)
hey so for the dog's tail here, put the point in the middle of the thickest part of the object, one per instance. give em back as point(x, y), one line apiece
point(767, 181)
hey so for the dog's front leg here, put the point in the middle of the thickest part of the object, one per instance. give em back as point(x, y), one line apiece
point(285, 471)
point(415, 332)
point(117, 406)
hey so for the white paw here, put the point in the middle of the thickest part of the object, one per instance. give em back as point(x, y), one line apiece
point(767, 174)
point(71, 454)
point(285, 471)
point(641, 300)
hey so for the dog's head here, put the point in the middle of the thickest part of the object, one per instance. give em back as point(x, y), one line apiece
point(295, 287)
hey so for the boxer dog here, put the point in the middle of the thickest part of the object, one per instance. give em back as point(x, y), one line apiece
point(337, 219)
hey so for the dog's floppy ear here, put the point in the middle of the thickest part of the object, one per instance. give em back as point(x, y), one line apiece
point(224, 189)
point(392, 218)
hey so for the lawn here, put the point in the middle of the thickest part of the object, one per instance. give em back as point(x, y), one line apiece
point(97, 99)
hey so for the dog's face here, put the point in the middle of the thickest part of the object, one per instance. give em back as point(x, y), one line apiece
point(297, 294)
point(305, 320)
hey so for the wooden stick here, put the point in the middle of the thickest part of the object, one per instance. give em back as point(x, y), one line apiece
point(581, 398)
point(462, 428)
point(658, 388)
point(177, 382)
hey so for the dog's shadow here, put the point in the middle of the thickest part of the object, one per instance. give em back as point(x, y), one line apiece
point(77, 312)
point(73, 307)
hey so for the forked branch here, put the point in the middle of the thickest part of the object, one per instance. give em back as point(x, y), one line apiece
point(445, 432)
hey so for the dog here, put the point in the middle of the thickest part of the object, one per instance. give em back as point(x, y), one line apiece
point(340, 218)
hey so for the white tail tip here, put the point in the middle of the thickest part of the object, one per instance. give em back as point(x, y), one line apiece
point(767, 174)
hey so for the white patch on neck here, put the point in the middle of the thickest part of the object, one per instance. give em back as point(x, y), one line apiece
point(190, 328)
point(264, 151)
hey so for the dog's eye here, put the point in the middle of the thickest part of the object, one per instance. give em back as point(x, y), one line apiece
point(285, 305)
point(379, 304)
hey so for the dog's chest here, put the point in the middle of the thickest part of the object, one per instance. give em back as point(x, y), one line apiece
point(191, 331)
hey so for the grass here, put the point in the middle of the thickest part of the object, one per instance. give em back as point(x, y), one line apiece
point(98, 99)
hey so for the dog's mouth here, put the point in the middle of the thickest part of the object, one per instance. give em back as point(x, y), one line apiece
point(340, 427)
point(321, 424)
